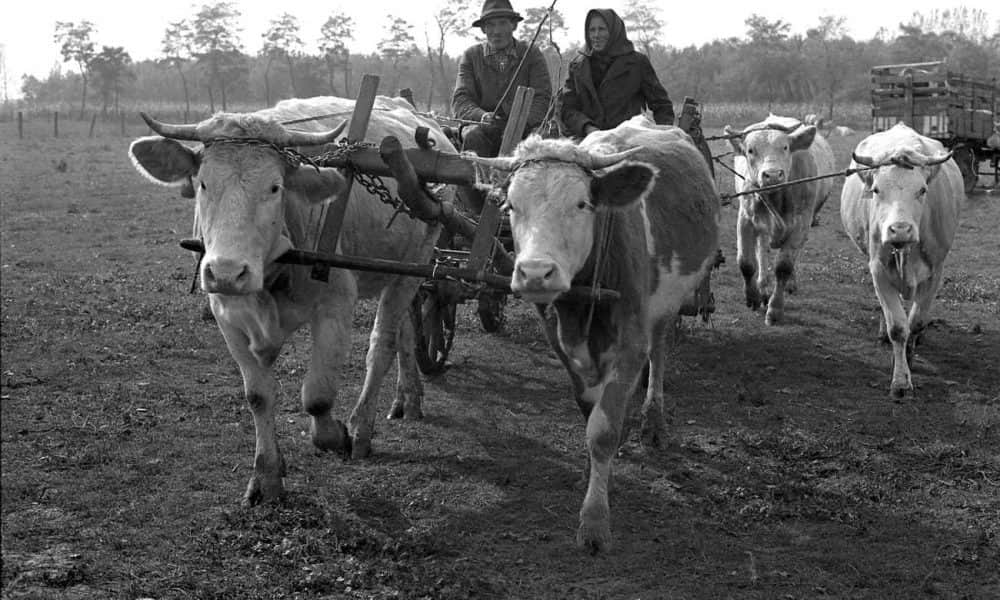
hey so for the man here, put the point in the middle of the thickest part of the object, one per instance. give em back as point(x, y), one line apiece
point(485, 72)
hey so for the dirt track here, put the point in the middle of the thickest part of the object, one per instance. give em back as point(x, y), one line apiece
point(126, 445)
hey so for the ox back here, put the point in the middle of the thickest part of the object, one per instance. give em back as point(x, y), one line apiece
point(252, 204)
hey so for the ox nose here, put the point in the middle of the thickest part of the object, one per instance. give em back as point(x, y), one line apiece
point(772, 176)
point(226, 277)
point(534, 274)
point(900, 233)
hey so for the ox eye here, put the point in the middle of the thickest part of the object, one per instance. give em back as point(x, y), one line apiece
point(584, 205)
point(923, 191)
point(875, 190)
point(275, 188)
point(203, 186)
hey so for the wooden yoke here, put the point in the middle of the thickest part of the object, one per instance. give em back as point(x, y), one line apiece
point(489, 219)
point(332, 217)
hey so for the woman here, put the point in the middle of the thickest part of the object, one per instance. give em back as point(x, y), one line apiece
point(610, 82)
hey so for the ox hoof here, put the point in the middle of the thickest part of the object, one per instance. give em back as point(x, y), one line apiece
point(406, 409)
point(653, 433)
point(594, 536)
point(263, 489)
point(772, 317)
point(901, 391)
point(361, 448)
point(329, 434)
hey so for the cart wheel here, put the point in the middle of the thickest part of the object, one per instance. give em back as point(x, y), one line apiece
point(433, 328)
point(490, 311)
point(965, 157)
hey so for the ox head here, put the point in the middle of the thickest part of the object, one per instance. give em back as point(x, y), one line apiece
point(554, 189)
point(240, 177)
point(768, 148)
point(898, 182)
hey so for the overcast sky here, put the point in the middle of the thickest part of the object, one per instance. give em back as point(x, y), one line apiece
point(27, 36)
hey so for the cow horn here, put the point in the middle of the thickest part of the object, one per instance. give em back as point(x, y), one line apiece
point(175, 132)
point(930, 161)
point(863, 160)
point(503, 163)
point(314, 138)
point(601, 161)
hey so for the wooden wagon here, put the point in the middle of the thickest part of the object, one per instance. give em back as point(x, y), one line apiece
point(961, 111)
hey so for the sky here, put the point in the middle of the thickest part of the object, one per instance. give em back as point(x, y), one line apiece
point(138, 26)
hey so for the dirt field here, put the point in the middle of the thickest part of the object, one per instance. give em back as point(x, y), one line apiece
point(127, 446)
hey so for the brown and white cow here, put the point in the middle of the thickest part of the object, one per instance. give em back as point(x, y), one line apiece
point(253, 202)
point(638, 206)
point(775, 151)
point(903, 214)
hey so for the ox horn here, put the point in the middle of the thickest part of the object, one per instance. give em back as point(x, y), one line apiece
point(188, 131)
point(931, 161)
point(601, 161)
point(314, 138)
point(864, 160)
point(503, 163)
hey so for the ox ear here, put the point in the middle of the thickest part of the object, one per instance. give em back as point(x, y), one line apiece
point(166, 162)
point(802, 138)
point(315, 186)
point(735, 142)
point(622, 185)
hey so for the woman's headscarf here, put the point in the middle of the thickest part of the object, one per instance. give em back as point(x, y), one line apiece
point(618, 43)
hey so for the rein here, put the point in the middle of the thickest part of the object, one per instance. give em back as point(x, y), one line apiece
point(778, 186)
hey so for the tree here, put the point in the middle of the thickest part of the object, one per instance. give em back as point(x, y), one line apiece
point(643, 22)
point(110, 68)
point(176, 46)
point(970, 23)
point(830, 66)
point(76, 46)
point(452, 20)
point(397, 45)
point(281, 41)
point(4, 75)
point(533, 17)
point(334, 35)
point(769, 62)
point(216, 45)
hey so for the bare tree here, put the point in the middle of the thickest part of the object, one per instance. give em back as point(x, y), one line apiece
point(830, 71)
point(453, 20)
point(4, 75)
point(334, 35)
point(110, 68)
point(76, 46)
point(397, 45)
point(533, 18)
point(281, 41)
point(971, 23)
point(644, 23)
point(177, 51)
point(216, 44)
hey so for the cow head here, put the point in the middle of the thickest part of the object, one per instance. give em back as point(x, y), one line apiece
point(898, 183)
point(554, 189)
point(240, 177)
point(768, 148)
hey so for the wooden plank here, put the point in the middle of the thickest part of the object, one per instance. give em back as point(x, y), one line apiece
point(332, 217)
point(489, 219)
point(431, 165)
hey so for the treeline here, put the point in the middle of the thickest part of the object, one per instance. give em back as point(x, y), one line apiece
point(204, 68)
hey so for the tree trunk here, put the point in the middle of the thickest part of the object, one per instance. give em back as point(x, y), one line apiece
point(347, 78)
point(187, 95)
point(267, 82)
point(291, 74)
point(83, 99)
point(329, 75)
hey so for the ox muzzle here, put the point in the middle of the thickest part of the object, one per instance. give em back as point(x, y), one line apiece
point(539, 280)
point(233, 277)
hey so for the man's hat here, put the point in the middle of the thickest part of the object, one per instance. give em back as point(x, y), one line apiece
point(497, 8)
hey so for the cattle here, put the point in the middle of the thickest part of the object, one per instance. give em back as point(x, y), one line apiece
point(255, 199)
point(902, 214)
point(775, 151)
point(634, 210)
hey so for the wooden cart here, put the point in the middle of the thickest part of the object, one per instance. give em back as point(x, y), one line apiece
point(961, 111)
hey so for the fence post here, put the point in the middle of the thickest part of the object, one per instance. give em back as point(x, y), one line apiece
point(20, 125)
point(93, 121)
point(55, 123)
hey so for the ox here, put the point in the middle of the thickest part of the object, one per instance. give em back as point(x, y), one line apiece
point(902, 213)
point(646, 228)
point(254, 201)
point(776, 151)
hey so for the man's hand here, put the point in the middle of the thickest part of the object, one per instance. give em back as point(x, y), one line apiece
point(488, 118)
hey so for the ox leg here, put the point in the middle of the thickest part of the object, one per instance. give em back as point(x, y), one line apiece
point(331, 335)
point(763, 257)
point(655, 415)
point(261, 391)
point(609, 399)
point(393, 305)
point(897, 326)
point(409, 387)
point(921, 310)
point(745, 239)
point(784, 271)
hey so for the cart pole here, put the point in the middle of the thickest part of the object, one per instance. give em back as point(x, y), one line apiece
point(332, 217)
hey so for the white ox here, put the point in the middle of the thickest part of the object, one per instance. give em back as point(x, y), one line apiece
point(902, 215)
point(648, 228)
point(775, 151)
point(253, 202)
